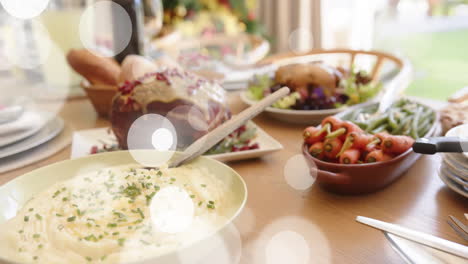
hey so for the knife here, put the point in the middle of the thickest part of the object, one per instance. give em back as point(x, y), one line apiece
point(414, 253)
point(433, 145)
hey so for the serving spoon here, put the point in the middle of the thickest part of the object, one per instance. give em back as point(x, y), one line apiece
point(210, 139)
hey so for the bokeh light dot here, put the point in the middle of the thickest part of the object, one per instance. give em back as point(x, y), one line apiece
point(172, 210)
point(97, 25)
point(18, 47)
point(24, 9)
point(300, 40)
point(196, 119)
point(152, 132)
point(162, 139)
point(287, 247)
point(298, 174)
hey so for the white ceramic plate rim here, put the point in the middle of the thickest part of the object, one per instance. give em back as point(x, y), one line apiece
point(455, 187)
point(245, 98)
point(273, 146)
point(37, 139)
point(269, 145)
point(449, 174)
point(456, 131)
point(26, 133)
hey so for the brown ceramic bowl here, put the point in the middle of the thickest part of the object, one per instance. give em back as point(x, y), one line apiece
point(361, 178)
point(100, 96)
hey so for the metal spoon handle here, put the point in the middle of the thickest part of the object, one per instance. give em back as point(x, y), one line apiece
point(204, 143)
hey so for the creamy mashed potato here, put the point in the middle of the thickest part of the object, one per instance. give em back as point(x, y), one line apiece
point(105, 217)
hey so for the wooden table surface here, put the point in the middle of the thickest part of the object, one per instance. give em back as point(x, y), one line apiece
point(278, 217)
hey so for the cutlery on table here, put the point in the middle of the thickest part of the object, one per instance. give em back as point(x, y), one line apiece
point(416, 236)
point(433, 145)
point(459, 228)
point(414, 253)
point(210, 139)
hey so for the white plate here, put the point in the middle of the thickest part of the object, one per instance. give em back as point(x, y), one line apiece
point(302, 117)
point(453, 185)
point(455, 177)
point(459, 131)
point(456, 168)
point(22, 131)
point(50, 130)
point(267, 145)
point(84, 140)
point(10, 113)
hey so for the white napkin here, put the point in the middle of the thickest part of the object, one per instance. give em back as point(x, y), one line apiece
point(28, 120)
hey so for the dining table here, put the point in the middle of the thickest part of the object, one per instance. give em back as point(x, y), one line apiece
point(284, 222)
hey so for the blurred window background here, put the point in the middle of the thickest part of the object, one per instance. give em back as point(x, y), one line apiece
point(433, 34)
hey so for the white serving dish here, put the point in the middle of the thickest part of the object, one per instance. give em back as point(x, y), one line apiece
point(85, 139)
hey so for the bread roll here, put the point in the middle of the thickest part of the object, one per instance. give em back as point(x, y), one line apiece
point(96, 69)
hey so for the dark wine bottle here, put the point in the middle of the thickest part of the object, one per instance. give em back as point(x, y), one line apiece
point(136, 45)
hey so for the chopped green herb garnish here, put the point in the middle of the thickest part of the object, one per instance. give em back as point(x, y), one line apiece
point(141, 213)
point(131, 191)
point(89, 225)
point(38, 217)
point(35, 257)
point(58, 215)
point(156, 188)
point(26, 218)
point(200, 203)
point(210, 206)
point(149, 197)
point(56, 194)
point(121, 241)
point(21, 231)
point(144, 242)
point(173, 179)
point(119, 215)
point(103, 258)
point(192, 196)
point(31, 209)
point(71, 218)
point(40, 246)
point(210, 202)
point(89, 259)
point(112, 225)
point(64, 199)
point(115, 233)
point(203, 185)
point(79, 212)
point(159, 173)
point(91, 238)
point(36, 236)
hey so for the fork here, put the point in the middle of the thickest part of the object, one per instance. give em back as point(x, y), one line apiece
point(459, 228)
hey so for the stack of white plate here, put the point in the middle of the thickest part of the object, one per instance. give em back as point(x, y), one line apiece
point(454, 168)
point(23, 129)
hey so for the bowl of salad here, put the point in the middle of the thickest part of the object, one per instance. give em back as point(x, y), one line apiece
point(318, 90)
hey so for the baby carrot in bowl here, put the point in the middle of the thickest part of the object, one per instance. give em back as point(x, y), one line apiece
point(312, 135)
point(350, 156)
point(397, 144)
point(332, 147)
point(316, 150)
point(377, 155)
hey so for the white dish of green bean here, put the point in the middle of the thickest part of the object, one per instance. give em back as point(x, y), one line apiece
point(404, 117)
